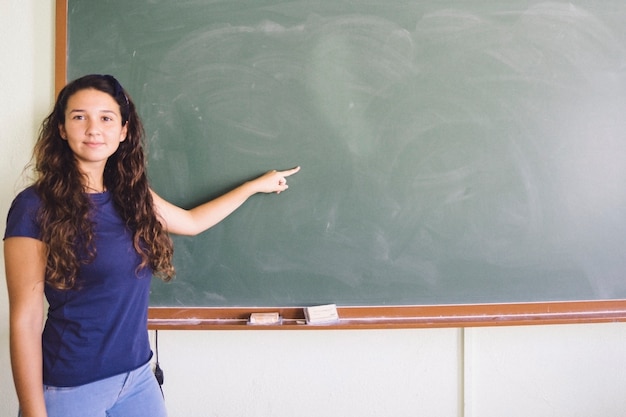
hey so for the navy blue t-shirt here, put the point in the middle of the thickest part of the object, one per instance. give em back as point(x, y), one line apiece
point(100, 329)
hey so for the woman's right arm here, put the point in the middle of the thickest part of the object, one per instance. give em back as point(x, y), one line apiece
point(25, 263)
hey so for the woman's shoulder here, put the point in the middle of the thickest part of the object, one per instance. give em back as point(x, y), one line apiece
point(28, 197)
point(22, 216)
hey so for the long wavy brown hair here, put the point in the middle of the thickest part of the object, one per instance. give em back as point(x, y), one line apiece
point(64, 215)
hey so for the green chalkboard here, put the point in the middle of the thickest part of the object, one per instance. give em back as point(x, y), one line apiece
point(452, 151)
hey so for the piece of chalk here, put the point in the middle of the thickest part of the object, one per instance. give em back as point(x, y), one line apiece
point(264, 318)
point(324, 314)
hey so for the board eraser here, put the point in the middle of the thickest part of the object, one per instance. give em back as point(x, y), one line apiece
point(265, 319)
point(324, 314)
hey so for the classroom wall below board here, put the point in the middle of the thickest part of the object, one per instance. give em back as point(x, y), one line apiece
point(519, 371)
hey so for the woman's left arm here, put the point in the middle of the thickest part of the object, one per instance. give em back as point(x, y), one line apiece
point(198, 219)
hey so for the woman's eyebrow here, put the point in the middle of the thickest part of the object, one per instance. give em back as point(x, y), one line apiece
point(99, 111)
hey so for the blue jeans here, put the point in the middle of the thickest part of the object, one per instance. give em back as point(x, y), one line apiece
point(131, 394)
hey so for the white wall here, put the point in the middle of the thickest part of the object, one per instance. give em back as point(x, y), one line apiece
point(26, 64)
point(568, 371)
point(397, 373)
point(556, 371)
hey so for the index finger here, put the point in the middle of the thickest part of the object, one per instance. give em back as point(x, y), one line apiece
point(289, 172)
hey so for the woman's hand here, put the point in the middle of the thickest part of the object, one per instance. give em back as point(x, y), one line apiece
point(272, 181)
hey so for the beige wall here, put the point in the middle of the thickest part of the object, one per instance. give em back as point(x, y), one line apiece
point(574, 370)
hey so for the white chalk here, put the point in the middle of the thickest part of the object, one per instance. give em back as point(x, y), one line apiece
point(324, 314)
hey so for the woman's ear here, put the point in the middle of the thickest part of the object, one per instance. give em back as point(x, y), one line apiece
point(124, 132)
point(62, 131)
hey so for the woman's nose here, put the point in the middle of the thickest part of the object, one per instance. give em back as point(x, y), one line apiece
point(92, 127)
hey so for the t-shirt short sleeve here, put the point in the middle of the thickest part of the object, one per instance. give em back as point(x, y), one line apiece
point(22, 217)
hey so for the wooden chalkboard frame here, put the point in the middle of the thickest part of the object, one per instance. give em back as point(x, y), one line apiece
point(363, 317)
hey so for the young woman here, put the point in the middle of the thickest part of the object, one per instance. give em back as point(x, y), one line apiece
point(89, 234)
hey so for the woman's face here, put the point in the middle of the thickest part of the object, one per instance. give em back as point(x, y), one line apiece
point(93, 128)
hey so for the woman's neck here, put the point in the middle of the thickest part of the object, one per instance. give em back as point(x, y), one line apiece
point(93, 190)
point(92, 177)
point(91, 185)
